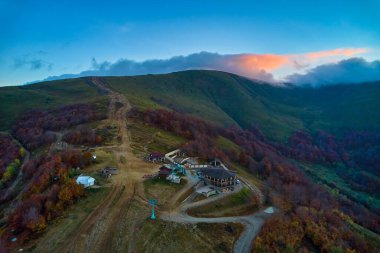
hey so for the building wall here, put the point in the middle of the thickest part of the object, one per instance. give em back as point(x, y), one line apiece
point(224, 183)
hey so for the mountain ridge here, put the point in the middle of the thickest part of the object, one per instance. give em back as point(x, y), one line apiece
point(221, 97)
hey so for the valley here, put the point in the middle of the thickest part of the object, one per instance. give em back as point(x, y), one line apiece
point(277, 149)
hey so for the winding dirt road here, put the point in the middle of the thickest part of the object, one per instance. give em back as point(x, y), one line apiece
point(252, 223)
point(101, 231)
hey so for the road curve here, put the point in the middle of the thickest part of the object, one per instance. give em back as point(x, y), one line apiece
point(252, 223)
point(243, 244)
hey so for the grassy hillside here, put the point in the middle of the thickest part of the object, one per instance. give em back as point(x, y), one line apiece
point(16, 100)
point(216, 96)
point(229, 99)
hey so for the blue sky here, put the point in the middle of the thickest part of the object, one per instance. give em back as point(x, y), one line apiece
point(51, 38)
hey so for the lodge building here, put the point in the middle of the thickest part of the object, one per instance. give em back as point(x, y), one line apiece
point(218, 176)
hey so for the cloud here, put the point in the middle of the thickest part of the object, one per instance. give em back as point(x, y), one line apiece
point(336, 52)
point(353, 70)
point(32, 63)
point(254, 66)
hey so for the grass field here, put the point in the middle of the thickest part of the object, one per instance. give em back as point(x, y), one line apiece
point(46, 95)
point(226, 144)
point(240, 203)
point(162, 190)
point(172, 237)
point(147, 139)
point(61, 229)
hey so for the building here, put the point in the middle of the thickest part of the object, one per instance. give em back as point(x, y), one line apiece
point(86, 181)
point(207, 191)
point(174, 178)
point(169, 172)
point(155, 157)
point(164, 172)
point(190, 163)
point(218, 176)
point(109, 171)
point(173, 154)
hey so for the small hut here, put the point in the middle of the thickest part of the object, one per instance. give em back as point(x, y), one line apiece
point(86, 181)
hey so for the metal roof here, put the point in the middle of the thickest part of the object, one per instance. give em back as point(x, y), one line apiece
point(217, 172)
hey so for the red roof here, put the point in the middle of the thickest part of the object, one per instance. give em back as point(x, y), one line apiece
point(164, 170)
point(155, 155)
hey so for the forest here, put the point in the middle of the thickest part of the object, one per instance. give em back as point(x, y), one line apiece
point(35, 128)
point(82, 136)
point(11, 155)
point(48, 180)
point(355, 156)
point(310, 215)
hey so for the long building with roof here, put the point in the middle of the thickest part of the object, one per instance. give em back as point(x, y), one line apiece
point(218, 176)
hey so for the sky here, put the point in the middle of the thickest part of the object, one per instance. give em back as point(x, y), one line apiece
point(275, 41)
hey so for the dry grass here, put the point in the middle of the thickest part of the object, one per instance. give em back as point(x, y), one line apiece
point(146, 138)
point(162, 190)
point(165, 237)
point(61, 229)
point(240, 203)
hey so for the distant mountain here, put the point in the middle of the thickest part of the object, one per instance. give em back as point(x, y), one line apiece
point(220, 97)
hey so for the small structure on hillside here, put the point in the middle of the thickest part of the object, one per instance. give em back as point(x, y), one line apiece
point(192, 163)
point(174, 154)
point(86, 181)
point(173, 168)
point(109, 171)
point(207, 191)
point(174, 178)
point(164, 172)
point(155, 157)
point(169, 172)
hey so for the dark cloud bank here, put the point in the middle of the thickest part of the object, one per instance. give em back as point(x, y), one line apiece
point(350, 71)
point(353, 70)
point(202, 60)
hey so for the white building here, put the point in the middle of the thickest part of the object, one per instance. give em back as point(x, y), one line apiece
point(207, 191)
point(173, 178)
point(86, 181)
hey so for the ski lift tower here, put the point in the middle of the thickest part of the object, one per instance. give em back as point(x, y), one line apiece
point(153, 203)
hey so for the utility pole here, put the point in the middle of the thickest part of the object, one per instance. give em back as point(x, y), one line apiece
point(153, 203)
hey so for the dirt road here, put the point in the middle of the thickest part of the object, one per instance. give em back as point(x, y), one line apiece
point(104, 228)
point(252, 223)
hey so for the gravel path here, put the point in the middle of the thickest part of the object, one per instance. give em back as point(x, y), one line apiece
point(252, 223)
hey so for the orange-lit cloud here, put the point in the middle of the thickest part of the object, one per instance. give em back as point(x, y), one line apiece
point(265, 62)
point(271, 62)
point(336, 52)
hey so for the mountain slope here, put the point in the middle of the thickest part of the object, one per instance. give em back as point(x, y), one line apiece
point(45, 95)
point(216, 96)
point(278, 111)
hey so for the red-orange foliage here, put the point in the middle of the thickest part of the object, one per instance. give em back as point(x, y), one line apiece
point(311, 215)
point(83, 136)
point(9, 151)
point(48, 192)
point(32, 128)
